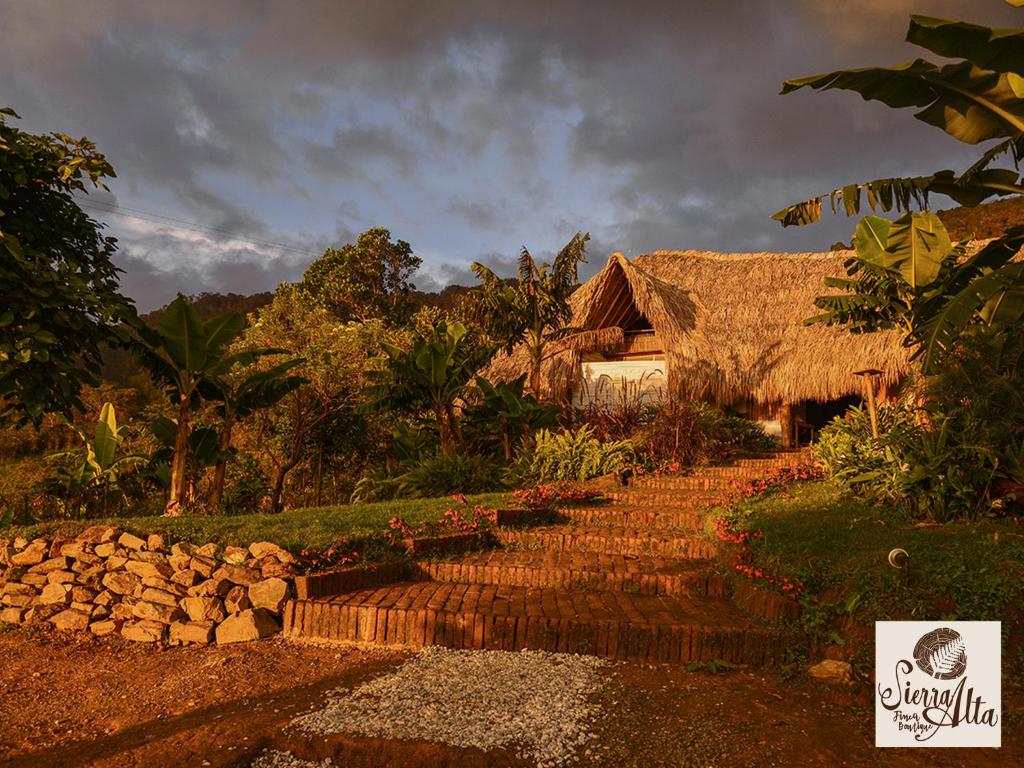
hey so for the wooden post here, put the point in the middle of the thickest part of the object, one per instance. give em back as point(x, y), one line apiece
point(869, 375)
point(871, 407)
point(786, 424)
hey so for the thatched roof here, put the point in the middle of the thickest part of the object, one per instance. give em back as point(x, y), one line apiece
point(732, 326)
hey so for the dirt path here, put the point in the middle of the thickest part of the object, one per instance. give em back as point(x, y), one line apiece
point(81, 702)
point(77, 701)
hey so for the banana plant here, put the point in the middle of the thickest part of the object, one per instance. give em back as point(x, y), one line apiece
point(978, 99)
point(433, 375)
point(504, 410)
point(907, 275)
point(101, 467)
point(203, 452)
point(935, 293)
point(183, 352)
point(239, 397)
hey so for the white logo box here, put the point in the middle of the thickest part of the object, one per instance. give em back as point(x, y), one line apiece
point(938, 684)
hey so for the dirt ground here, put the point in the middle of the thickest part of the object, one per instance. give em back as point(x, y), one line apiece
point(76, 701)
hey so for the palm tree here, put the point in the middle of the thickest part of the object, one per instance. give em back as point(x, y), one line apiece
point(532, 308)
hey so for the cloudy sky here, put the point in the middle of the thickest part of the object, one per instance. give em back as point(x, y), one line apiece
point(247, 135)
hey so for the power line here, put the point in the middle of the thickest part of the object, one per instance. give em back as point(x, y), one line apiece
point(135, 213)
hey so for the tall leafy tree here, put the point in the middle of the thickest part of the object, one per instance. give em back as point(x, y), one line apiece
point(317, 420)
point(907, 274)
point(533, 308)
point(365, 280)
point(59, 300)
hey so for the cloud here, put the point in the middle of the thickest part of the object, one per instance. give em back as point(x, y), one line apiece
point(354, 146)
point(161, 260)
point(467, 128)
point(477, 213)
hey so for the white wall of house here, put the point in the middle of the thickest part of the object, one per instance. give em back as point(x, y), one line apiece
point(611, 381)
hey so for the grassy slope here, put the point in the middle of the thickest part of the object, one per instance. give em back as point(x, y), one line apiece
point(294, 530)
point(838, 546)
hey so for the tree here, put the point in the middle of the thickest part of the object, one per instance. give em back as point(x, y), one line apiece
point(318, 417)
point(202, 452)
point(239, 397)
point(532, 309)
point(186, 354)
point(59, 303)
point(910, 271)
point(503, 410)
point(430, 376)
point(364, 281)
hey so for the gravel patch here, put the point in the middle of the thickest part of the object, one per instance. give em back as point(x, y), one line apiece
point(271, 758)
point(538, 704)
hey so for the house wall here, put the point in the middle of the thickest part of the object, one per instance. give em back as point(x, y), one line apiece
point(613, 381)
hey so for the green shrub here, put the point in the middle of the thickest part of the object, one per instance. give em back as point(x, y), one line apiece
point(938, 467)
point(694, 433)
point(246, 486)
point(733, 435)
point(846, 447)
point(571, 455)
point(430, 477)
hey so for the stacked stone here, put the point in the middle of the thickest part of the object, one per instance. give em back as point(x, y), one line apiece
point(109, 582)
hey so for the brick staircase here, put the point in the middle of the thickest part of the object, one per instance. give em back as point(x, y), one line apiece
point(638, 579)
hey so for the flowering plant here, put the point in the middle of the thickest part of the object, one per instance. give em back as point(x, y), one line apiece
point(548, 495)
point(454, 520)
point(661, 469)
point(777, 478)
point(336, 555)
point(743, 562)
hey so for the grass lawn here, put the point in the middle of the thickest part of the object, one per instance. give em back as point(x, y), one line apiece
point(294, 530)
point(838, 546)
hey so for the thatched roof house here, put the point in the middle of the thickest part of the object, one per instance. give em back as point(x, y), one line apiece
point(728, 328)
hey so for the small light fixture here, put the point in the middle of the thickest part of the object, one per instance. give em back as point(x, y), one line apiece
point(899, 559)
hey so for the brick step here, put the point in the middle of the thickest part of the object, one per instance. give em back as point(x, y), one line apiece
point(687, 482)
point(721, 477)
point(745, 471)
point(688, 499)
point(768, 460)
point(635, 517)
point(613, 625)
point(664, 498)
point(590, 570)
point(618, 541)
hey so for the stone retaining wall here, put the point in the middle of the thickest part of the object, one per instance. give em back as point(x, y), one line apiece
point(108, 582)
